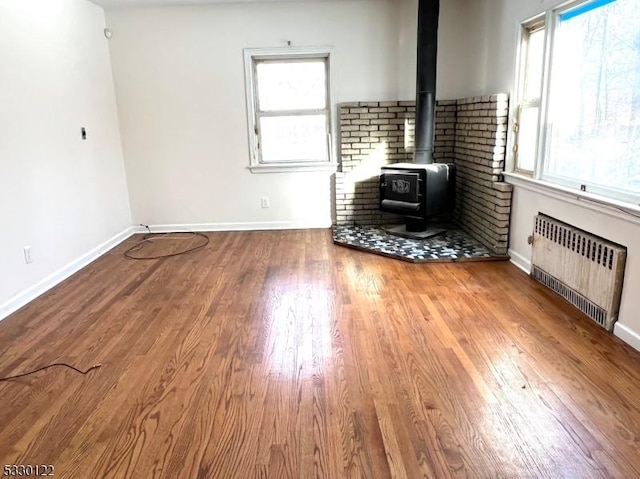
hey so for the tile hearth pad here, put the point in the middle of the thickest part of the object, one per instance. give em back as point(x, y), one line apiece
point(452, 245)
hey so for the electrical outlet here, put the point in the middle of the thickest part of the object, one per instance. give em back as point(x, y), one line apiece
point(27, 255)
point(264, 202)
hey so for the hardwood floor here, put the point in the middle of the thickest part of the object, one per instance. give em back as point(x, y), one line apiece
point(280, 355)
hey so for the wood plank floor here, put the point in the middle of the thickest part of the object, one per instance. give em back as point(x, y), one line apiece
point(280, 355)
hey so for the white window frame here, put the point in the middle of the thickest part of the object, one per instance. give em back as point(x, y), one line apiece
point(526, 29)
point(253, 55)
point(596, 193)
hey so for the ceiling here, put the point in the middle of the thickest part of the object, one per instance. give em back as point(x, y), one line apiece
point(139, 3)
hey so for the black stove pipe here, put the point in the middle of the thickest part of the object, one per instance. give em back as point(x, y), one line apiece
point(428, 11)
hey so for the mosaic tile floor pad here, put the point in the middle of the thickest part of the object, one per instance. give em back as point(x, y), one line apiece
point(452, 245)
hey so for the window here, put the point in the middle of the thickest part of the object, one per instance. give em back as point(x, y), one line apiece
point(578, 100)
point(289, 108)
point(531, 90)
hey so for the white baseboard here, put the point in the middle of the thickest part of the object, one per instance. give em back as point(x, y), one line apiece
point(28, 295)
point(520, 261)
point(628, 335)
point(259, 226)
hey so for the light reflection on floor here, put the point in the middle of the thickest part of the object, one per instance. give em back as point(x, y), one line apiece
point(300, 339)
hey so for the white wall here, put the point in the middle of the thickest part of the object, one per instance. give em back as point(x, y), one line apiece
point(181, 98)
point(500, 20)
point(59, 194)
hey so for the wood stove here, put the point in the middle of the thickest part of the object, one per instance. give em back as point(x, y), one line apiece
point(418, 192)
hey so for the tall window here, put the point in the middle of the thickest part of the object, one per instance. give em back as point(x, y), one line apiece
point(578, 122)
point(289, 108)
point(530, 93)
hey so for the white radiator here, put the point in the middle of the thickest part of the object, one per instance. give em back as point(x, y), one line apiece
point(584, 269)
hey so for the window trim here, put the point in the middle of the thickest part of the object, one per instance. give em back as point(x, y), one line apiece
point(283, 54)
point(618, 198)
point(526, 28)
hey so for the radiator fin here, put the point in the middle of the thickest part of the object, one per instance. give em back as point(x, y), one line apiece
point(579, 265)
point(595, 312)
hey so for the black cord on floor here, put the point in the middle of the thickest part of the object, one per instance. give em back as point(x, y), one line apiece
point(95, 366)
point(150, 237)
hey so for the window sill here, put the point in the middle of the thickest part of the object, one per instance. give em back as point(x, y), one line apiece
point(293, 167)
point(619, 209)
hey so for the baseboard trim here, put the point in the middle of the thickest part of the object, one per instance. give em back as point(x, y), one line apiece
point(628, 335)
point(520, 261)
point(259, 226)
point(31, 293)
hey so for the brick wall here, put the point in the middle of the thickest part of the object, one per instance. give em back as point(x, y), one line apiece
point(372, 134)
point(445, 131)
point(469, 132)
point(483, 200)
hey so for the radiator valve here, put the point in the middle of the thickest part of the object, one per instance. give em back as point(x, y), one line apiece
point(530, 239)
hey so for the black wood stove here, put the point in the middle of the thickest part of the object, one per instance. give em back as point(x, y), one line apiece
point(418, 192)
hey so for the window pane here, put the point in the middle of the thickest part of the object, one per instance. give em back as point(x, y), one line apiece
point(294, 138)
point(296, 85)
point(527, 138)
point(595, 96)
point(534, 59)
